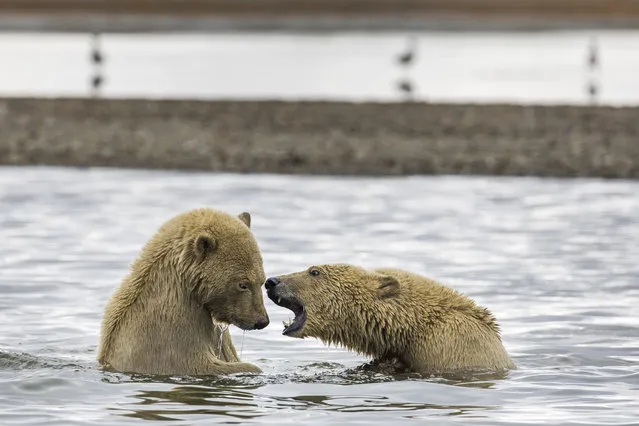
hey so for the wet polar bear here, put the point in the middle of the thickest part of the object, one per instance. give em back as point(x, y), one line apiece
point(202, 269)
point(391, 314)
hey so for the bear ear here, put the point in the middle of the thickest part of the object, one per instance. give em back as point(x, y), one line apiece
point(246, 218)
point(388, 287)
point(203, 246)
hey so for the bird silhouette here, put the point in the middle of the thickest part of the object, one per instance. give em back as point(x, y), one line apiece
point(406, 87)
point(96, 82)
point(593, 62)
point(97, 60)
point(406, 58)
point(593, 54)
point(96, 54)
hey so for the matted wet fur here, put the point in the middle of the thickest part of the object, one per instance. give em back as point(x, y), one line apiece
point(199, 273)
point(394, 316)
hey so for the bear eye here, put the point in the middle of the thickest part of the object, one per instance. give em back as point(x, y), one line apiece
point(244, 286)
point(314, 272)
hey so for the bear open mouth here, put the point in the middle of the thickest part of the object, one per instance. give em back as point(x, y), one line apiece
point(294, 305)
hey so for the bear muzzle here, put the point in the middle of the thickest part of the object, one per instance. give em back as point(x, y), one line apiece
point(271, 283)
point(261, 323)
point(282, 295)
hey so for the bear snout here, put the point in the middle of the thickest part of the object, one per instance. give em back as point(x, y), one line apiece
point(261, 323)
point(271, 283)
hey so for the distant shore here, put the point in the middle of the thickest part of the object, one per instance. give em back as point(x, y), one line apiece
point(322, 137)
point(314, 15)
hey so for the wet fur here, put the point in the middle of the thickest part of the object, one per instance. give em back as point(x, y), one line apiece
point(391, 314)
point(156, 321)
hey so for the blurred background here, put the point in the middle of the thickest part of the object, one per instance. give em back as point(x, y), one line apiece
point(526, 110)
point(545, 51)
point(499, 87)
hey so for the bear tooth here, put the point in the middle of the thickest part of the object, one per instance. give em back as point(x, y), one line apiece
point(279, 299)
point(288, 323)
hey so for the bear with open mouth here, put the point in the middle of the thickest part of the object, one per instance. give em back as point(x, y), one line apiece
point(391, 314)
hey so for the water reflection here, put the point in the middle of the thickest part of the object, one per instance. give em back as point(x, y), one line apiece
point(355, 390)
point(183, 402)
point(219, 401)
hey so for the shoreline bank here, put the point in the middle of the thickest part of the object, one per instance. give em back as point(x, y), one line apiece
point(329, 138)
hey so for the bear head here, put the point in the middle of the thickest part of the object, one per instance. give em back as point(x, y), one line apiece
point(329, 300)
point(220, 263)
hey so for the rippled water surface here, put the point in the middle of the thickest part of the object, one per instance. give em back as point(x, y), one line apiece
point(557, 261)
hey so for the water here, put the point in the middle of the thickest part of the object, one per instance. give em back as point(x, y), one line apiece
point(555, 260)
point(527, 67)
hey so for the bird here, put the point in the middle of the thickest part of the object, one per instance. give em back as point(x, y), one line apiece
point(406, 87)
point(96, 82)
point(593, 90)
point(96, 55)
point(97, 60)
point(593, 62)
point(406, 58)
point(593, 54)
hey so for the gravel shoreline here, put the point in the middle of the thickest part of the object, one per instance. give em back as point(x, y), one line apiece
point(335, 138)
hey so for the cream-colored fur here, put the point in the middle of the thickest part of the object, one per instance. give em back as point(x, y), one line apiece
point(391, 314)
point(200, 272)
